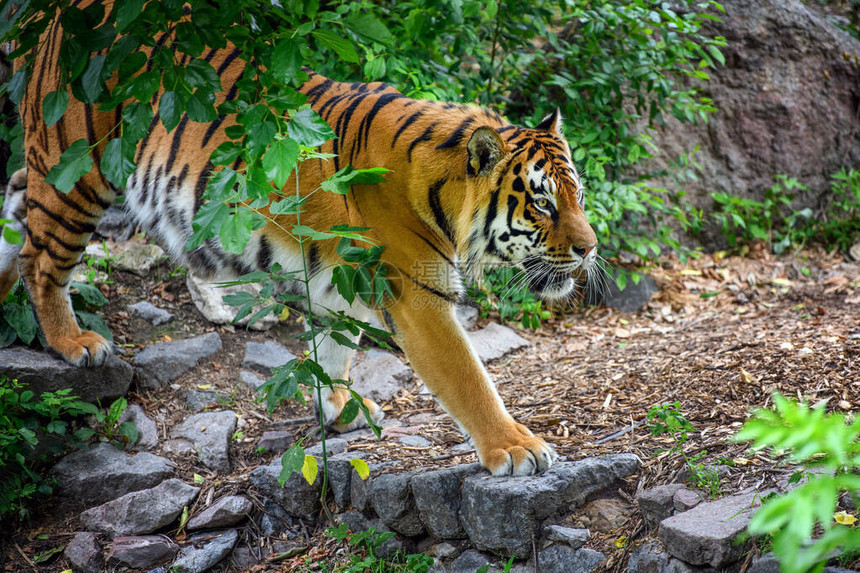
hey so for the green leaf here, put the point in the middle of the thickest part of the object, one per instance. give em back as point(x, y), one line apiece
point(361, 468)
point(717, 54)
point(341, 46)
point(94, 322)
point(54, 106)
point(225, 154)
point(75, 162)
point(116, 409)
point(309, 129)
point(170, 109)
point(129, 430)
point(126, 12)
point(92, 81)
point(17, 85)
point(118, 161)
point(280, 160)
point(207, 221)
point(286, 60)
point(291, 462)
point(305, 231)
point(289, 205)
point(341, 181)
point(221, 186)
point(136, 117)
point(20, 318)
point(342, 277)
point(91, 295)
point(200, 108)
point(236, 231)
point(369, 27)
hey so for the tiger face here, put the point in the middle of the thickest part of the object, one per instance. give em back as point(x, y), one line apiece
point(535, 217)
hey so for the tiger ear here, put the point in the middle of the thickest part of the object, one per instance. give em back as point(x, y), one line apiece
point(552, 123)
point(486, 148)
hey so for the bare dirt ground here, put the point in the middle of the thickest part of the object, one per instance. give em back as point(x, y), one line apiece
point(721, 335)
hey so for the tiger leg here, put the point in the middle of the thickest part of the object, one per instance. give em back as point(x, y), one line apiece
point(14, 211)
point(336, 359)
point(441, 354)
point(59, 227)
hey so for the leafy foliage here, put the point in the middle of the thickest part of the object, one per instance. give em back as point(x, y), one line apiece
point(828, 446)
point(18, 322)
point(780, 226)
point(368, 543)
point(501, 289)
point(31, 429)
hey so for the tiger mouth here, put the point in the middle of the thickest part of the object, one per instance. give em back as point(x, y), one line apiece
point(547, 281)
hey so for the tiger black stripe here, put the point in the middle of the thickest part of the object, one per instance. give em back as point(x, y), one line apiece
point(213, 127)
point(383, 101)
point(444, 296)
point(456, 137)
point(430, 244)
point(314, 264)
point(409, 121)
point(264, 254)
point(176, 142)
point(435, 201)
point(426, 136)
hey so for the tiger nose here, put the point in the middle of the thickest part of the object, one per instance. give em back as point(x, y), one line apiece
point(584, 250)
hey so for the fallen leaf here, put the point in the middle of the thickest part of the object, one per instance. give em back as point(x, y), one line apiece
point(621, 542)
point(747, 377)
point(786, 346)
point(844, 518)
point(622, 333)
point(690, 273)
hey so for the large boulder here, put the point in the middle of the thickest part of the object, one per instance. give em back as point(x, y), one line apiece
point(787, 100)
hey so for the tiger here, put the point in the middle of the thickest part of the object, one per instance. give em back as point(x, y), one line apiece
point(465, 189)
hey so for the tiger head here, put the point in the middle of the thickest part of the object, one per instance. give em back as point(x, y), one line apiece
point(534, 217)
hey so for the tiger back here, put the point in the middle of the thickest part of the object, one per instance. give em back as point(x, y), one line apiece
point(465, 188)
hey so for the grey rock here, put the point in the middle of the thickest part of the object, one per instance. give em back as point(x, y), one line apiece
point(564, 559)
point(574, 538)
point(467, 316)
point(84, 553)
point(142, 551)
point(197, 400)
point(209, 300)
point(785, 80)
point(634, 296)
point(437, 497)
point(275, 521)
point(340, 475)
point(333, 447)
point(147, 431)
point(151, 313)
point(251, 379)
point(359, 490)
point(141, 512)
point(444, 550)
point(415, 441)
point(358, 434)
point(103, 473)
point(502, 514)
point(686, 499)
point(706, 534)
point(210, 432)
point(115, 224)
point(471, 560)
point(275, 440)
point(648, 558)
point(203, 552)
point(379, 375)
point(854, 251)
point(163, 362)
point(656, 504)
point(42, 372)
point(494, 341)
point(393, 501)
point(297, 497)
point(264, 356)
point(227, 511)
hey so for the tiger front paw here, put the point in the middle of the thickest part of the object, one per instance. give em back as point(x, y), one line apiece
point(517, 452)
point(86, 349)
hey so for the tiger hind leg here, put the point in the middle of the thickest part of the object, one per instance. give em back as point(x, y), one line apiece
point(15, 213)
point(60, 226)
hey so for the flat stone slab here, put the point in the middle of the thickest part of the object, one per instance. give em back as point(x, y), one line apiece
point(147, 431)
point(379, 375)
point(227, 511)
point(265, 356)
point(573, 538)
point(208, 297)
point(142, 552)
point(564, 559)
point(494, 341)
point(706, 534)
point(42, 372)
point(209, 433)
point(163, 362)
point(501, 514)
point(204, 551)
point(103, 473)
point(141, 512)
point(150, 313)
